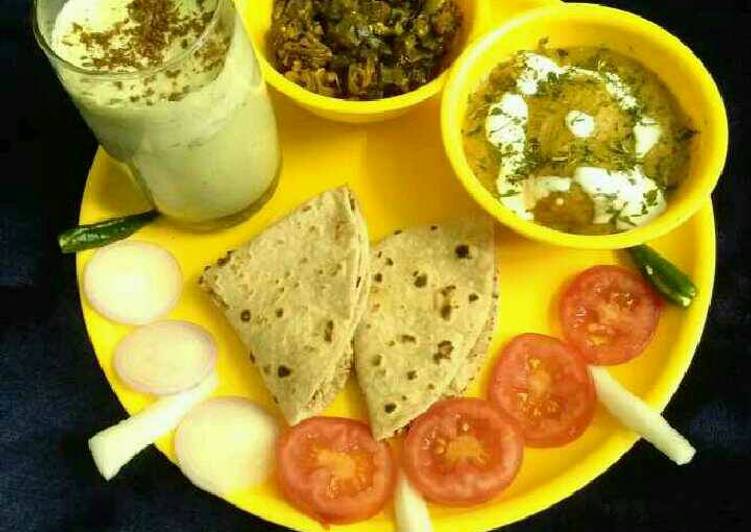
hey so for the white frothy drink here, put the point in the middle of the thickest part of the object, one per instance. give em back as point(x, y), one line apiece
point(172, 89)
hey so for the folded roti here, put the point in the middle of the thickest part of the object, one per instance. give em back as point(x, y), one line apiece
point(429, 319)
point(294, 294)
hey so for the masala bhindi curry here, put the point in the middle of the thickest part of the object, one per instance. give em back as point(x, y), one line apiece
point(362, 49)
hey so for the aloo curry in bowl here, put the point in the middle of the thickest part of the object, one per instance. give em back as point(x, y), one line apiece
point(580, 139)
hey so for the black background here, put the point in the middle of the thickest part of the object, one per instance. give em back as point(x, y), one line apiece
point(53, 395)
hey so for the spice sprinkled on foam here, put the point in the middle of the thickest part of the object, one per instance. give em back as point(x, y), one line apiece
point(122, 36)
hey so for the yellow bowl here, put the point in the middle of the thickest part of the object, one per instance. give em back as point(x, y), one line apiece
point(593, 25)
point(257, 15)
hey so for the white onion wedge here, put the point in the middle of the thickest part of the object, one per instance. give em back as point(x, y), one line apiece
point(639, 417)
point(132, 282)
point(114, 447)
point(410, 508)
point(165, 357)
point(225, 444)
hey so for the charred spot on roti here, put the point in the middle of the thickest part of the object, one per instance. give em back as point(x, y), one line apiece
point(421, 280)
point(328, 331)
point(245, 315)
point(283, 371)
point(279, 312)
point(398, 232)
point(391, 343)
point(379, 254)
point(376, 361)
point(462, 251)
point(404, 398)
point(357, 283)
point(433, 227)
point(445, 303)
point(205, 268)
point(339, 230)
point(389, 408)
point(224, 260)
point(352, 203)
point(389, 262)
point(411, 375)
point(407, 338)
point(445, 348)
point(273, 398)
point(431, 386)
point(267, 369)
point(252, 358)
point(448, 290)
point(378, 277)
point(304, 260)
point(305, 208)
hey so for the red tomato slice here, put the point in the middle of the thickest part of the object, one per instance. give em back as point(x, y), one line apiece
point(332, 469)
point(545, 386)
point(462, 452)
point(609, 314)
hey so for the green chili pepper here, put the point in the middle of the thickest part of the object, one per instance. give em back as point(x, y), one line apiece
point(103, 233)
point(671, 282)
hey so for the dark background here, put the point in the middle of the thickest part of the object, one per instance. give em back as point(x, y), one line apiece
point(53, 395)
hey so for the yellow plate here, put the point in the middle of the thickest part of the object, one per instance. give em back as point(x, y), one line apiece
point(400, 174)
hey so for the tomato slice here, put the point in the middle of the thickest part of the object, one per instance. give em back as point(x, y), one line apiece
point(332, 469)
point(544, 385)
point(462, 452)
point(609, 314)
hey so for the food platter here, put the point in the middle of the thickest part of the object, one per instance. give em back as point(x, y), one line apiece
point(401, 176)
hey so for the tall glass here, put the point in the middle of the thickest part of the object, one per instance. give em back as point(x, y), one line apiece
point(196, 129)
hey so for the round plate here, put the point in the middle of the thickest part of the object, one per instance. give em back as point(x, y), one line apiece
point(399, 172)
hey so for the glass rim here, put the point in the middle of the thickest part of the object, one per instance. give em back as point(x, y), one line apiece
point(130, 74)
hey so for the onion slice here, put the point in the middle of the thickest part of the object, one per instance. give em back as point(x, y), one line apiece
point(114, 447)
point(639, 417)
point(225, 444)
point(410, 508)
point(165, 357)
point(132, 282)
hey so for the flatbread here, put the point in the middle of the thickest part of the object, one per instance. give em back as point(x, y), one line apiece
point(294, 295)
point(477, 355)
point(428, 321)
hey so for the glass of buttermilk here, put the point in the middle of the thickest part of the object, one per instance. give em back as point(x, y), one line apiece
point(173, 90)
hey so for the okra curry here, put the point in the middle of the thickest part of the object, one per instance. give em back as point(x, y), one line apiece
point(584, 140)
point(362, 49)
